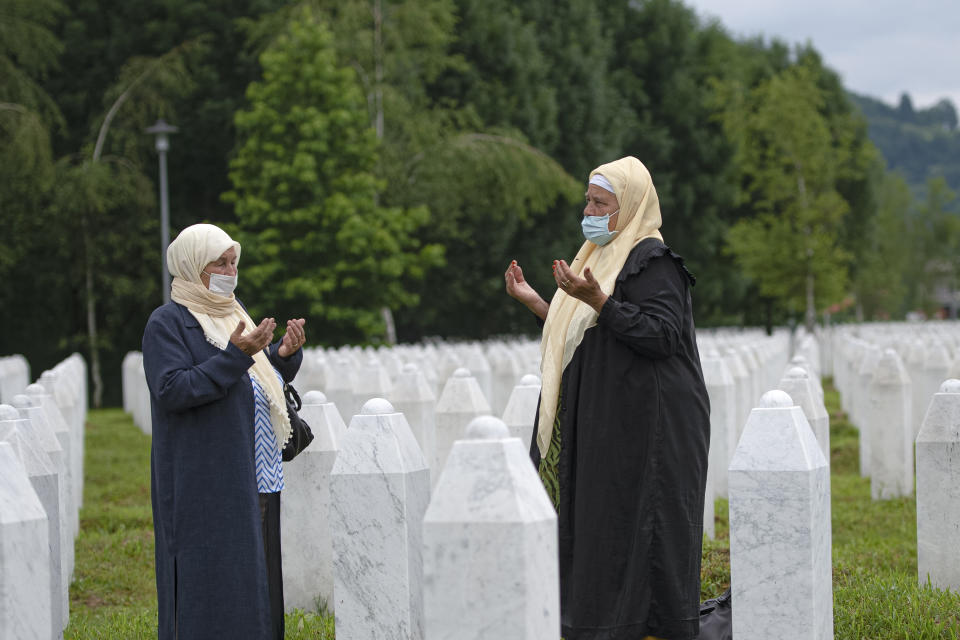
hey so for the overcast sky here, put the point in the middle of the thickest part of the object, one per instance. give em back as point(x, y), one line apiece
point(880, 48)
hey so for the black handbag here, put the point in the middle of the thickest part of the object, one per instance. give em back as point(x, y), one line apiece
point(716, 618)
point(300, 434)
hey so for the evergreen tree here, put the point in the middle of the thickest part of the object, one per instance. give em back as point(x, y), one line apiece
point(316, 241)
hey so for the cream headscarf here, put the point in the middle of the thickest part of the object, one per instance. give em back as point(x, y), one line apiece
point(568, 318)
point(196, 247)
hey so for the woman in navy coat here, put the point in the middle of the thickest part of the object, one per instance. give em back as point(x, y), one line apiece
point(219, 423)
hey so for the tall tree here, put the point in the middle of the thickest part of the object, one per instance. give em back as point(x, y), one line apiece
point(317, 243)
point(880, 282)
point(29, 52)
point(482, 183)
point(933, 237)
point(102, 182)
point(789, 162)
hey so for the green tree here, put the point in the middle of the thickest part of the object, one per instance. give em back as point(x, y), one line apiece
point(484, 184)
point(790, 162)
point(317, 243)
point(933, 237)
point(102, 190)
point(29, 51)
point(880, 284)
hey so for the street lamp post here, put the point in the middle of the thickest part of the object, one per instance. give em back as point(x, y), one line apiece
point(162, 130)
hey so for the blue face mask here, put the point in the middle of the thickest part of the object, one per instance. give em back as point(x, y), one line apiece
point(595, 228)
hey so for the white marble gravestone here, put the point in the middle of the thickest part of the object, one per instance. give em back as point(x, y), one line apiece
point(479, 368)
point(938, 490)
point(741, 380)
point(506, 371)
point(936, 369)
point(413, 396)
point(29, 408)
point(861, 404)
point(372, 382)
point(722, 391)
point(889, 416)
point(54, 418)
point(780, 539)
point(128, 379)
point(490, 544)
point(340, 384)
point(35, 422)
point(462, 400)
point(59, 385)
point(379, 490)
point(25, 606)
point(307, 545)
point(798, 384)
point(521, 409)
point(45, 480)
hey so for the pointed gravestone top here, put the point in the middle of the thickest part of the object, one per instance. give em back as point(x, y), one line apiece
point(529, 380)
point(942, 421)
point(937, 357)
point(950, 386)
point(775, 399)
point(890, 370)
point(462, 372)
point(314, 397)
point(36, 389)
point(795, 373)
point(376, 406)
point(35, 460)
point(777, 437)
point(487, 428)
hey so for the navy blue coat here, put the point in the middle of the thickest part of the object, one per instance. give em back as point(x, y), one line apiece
point(211, 570)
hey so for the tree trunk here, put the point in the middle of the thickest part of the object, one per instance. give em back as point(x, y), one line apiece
point(390, 326)
point(92, 324)
point(810, 319)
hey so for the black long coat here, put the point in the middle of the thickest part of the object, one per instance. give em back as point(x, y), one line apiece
point(211, 569)
point(635, 430)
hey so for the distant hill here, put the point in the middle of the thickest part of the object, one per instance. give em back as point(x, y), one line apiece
point(920, 144)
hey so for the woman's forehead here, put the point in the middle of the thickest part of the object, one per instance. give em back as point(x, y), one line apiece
point(599, 193)
point(229, 254)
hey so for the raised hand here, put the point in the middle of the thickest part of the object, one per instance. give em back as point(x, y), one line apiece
point(293, 339)
point(519, 289)
point(586, 288)
point(256, 340)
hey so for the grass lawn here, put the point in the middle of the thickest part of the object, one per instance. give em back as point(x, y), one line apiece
point(876, 591)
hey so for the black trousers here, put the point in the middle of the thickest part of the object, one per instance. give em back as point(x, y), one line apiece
point(270, 519)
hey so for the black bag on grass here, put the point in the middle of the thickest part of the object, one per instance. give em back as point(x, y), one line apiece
point(716, 618)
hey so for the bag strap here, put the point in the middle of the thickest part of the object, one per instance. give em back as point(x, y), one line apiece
point(292, 395)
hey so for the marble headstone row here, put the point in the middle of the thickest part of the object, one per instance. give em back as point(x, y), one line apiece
point(899, 384)
point(476, 558)
point(887, 376)
point(435, 427)
point(41, 447)
point(411, 376)
point(435, 424)
point(737, 367)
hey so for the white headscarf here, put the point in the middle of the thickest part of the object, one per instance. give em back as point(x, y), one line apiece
point(568, 318)
point(196, 247)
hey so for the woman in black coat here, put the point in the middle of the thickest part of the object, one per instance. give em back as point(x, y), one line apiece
point(219, 423)
point(623, 424)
